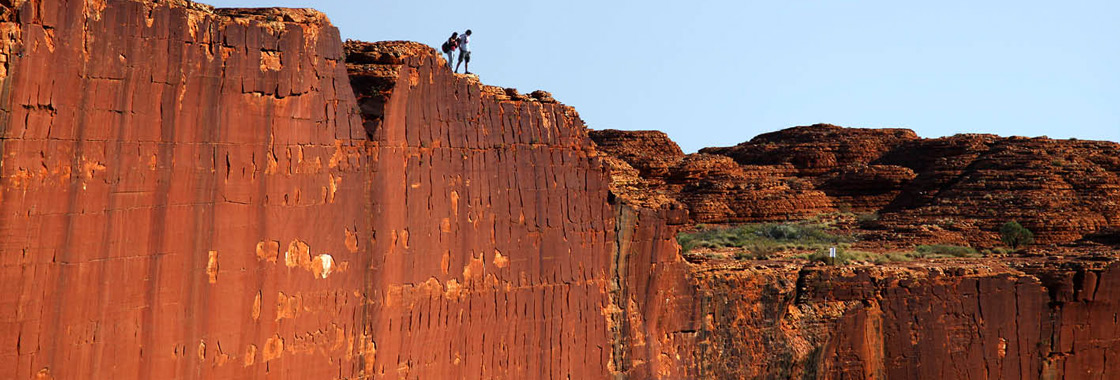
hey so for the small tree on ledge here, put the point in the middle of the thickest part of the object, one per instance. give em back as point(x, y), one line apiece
point(1015, 235)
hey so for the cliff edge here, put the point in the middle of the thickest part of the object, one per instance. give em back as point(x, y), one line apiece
point(190, 192)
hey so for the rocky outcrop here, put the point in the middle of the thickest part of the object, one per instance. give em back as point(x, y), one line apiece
point(817, 149)
point(1063, 190)
point(497, 252)
point(952, 189)
point(949, 320)
point(615, 290)
point(189, 192)
point(252, 201)
point(651, 152)
point(712, 187)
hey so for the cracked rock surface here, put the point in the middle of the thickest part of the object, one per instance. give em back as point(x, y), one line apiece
point(189, 192)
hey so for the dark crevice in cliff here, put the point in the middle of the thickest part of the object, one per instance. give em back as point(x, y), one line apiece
point(801, 286)
point(619, 327)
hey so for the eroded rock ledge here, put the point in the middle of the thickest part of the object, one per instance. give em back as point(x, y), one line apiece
point(189, 192)
point(952, 189)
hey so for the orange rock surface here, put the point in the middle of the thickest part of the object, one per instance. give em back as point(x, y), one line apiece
point(712, 187)
point(953, 320)
point(199, 193)
point(177, 193)
point(482, 196)
point(959, 188)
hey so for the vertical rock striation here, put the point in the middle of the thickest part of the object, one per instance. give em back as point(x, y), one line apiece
point(497, 251)
point(196, 193)
point(952, 321)
point(179, 197)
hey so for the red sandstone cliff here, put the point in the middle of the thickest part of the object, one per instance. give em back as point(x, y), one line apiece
point(486, 197)
point(979, 320)
point(179, 197)
point(197, 193)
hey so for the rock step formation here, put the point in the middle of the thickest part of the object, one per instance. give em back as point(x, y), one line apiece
point(959, 188)
point(713, 187)
point(190, 192)
point(482, 196)
point(959, 320)
point(199, 193)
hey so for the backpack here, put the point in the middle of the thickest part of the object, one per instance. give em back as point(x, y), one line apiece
point(448, 46)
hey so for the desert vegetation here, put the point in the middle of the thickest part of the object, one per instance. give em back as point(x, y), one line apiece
point(1015, 235)
point(765, 240)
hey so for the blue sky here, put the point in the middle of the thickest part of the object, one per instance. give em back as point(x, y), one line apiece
point(716, 73)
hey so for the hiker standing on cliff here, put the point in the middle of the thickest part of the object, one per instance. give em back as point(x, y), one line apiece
point(449, 47)
point(464, 52)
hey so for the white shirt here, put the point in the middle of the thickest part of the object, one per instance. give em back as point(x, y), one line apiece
point(464, 42)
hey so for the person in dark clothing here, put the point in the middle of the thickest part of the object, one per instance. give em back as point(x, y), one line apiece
point(449, 47)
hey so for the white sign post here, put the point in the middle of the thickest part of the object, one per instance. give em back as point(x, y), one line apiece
point(832, 255)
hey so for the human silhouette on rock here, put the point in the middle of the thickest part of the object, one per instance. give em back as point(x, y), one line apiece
point(449, 47)
point(464, 52)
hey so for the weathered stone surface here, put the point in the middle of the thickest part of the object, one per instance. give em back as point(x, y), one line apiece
point(949, 320)
point(712, 187)
point(1062, 190)
point(222, 210)
point(483, 196)
point(715, 189)
point(196, 193)
point(651, 152)
point(951, 189)
point(173, 205)
point(817, 149)
point(866, 188)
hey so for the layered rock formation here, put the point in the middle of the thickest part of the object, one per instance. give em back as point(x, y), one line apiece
point(958, 189)
point(713, 187)
point(188, 192)
point(1062, 190)
point(981, 320)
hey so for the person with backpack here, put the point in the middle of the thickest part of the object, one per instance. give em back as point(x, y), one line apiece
point(464, 52)
point(449, 47)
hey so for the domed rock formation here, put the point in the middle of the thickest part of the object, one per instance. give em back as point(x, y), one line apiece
point(959, 188)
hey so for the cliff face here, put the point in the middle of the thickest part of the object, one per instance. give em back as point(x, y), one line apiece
point(200, 193)
point(178, 197)
point(1009, 318)
point(979, 320)
point(196, 193)
point(498, 253)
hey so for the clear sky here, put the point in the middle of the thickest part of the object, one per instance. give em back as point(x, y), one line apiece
point(716, 73)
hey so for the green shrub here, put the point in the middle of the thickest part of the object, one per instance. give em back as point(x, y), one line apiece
point(780, 231)
point(845, 256)
point(760, 240)
point(891, 257)
point(805, 234)
point(687, 242)
point(761, 250)
point(1015, 235)
point(943, 250)
point(867, 218)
